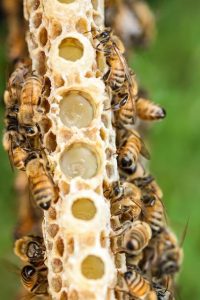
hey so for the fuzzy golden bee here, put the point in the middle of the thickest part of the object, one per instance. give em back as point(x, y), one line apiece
point(129, 205)
point(130, 151)
point(153, 213)
point(137, 286)
point(119, 72)
point(149, 111)
point(29, 112)
point(41, 185)
point(15, 84)
point(35, 280)
point(169, 254)
point(30, 249)
point(132, 238)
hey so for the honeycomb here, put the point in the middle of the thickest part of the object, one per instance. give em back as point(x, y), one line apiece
point(78, 135)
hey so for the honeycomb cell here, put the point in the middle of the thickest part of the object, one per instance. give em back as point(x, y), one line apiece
point(76, 109)
point(92, 267)
point(79, 160)
point(43, 36)
point(56, 29)
point(51, 142)
point(52, 213)
point(64, 296)
point(37, 20)
point(71, 49)
point(56, 283)
point(53, 230)
point(57, 265)
point(60, 246)
point(42, 63)
point(84, 209)
point(81, 26)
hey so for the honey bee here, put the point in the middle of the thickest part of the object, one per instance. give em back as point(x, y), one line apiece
point(113, 191)
point(35, 280)
point(15, 83)
point(137, 286)
point(153, 213)
point(41, 185)
point(126, 112)
point(130, 151)
point(149, 111)
point(163, 293)
point(119, 72)
point(30, 249)
point(29, 100)
point(129, 206)
point(132, 20)
point(169, 254)
point(132, 238)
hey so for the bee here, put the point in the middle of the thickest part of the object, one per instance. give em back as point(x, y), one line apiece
point(15, 83)
point(29, 113)
point(126, 112)
point(169, 254)
point(132, 20)
point(35, 280)
point(137, 286)
point(130, 151)
point(41, 185)
point(128, 207)
point(113, 191)
point(153, 213)
point(119, 72)
point(30, 249)
point(132, 238)
point(163, 293)
point(149, 111)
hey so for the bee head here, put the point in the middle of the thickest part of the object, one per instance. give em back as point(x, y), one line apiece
point(126, 162)
point(28, 272)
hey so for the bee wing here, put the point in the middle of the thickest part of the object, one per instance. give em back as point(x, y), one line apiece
point(129, 79)
point(8, 265)
point(144, 151)
point(184, 233)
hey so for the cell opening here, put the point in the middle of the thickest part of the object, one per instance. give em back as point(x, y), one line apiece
point(93, 267)
point(53, 230)
point(42, 63)
point(64, 296)
point(56, 284)
point(43, 36)
point(84, 209)
point(79, 160)
point(56, 29)
point(57, 265)
point(60, 246)
point(71, 49)
point(76, 109)
point(81, 26)
point(37, 20)
point(51, 142)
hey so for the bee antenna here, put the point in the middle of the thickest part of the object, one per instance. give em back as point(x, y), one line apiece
point(184, 233)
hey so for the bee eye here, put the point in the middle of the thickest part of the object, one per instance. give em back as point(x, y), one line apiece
point(28, 271)
point(126, 162)
point(45, 205)
point(30, 130)
point(128, 275)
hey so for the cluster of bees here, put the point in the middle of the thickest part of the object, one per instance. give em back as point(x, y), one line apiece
point(140, 231)
point(23, 137)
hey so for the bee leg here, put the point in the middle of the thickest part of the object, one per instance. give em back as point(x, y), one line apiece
point(123, 228)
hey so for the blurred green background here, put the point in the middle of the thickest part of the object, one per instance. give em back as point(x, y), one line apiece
point(170, 70)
